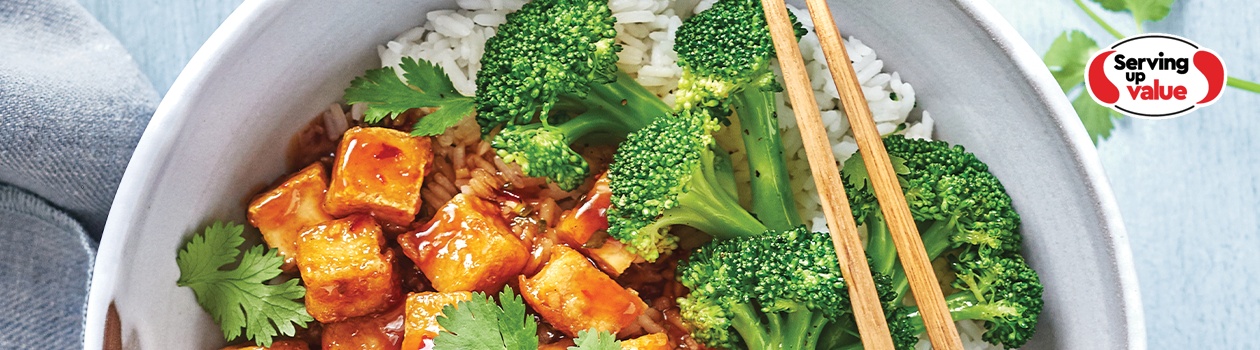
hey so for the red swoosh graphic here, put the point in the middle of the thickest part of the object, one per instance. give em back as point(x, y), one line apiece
point(1212, 69)
point(1102, 88)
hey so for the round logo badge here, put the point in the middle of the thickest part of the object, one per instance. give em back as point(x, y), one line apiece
point(1155, 76)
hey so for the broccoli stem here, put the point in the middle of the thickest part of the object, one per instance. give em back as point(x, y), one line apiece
point(725, 169)
point(839, 334)
point(745, 320)
point(879, 245)
point(935, 242)
point(799, 328)
point(773, 201)
point(709, 207)
point(802, 330)
point(584, 125)
point(962, 306)
point(816, 325)
point(623, 100)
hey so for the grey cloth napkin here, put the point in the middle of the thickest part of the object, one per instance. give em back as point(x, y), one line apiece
point(72, 106)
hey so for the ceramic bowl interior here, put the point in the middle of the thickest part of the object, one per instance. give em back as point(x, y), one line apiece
point(222, 131)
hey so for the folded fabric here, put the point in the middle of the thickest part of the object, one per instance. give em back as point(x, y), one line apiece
point(72, 106)
point(45, 263)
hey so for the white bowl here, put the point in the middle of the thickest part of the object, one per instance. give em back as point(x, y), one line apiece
point(223, 128)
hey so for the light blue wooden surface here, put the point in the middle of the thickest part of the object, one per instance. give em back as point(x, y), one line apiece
point(1189, 188)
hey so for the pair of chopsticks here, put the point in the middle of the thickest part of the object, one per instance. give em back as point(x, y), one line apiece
point(853, 266)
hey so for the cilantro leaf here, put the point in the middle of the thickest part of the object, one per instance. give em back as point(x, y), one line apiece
point(1142, 10)
point(1098, 120)
point(1068, 56)
point(480, 323)
point(855, 169)
point(1066, 59)
point(427, 85)
point(241, 298)
point(595, 340)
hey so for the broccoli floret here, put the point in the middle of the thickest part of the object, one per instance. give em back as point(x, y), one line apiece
point(725, 53)
point(843, 334)
point(954, 191)
point(542, 149)
point(961, 207)
point(1003, 291)
point(555, 60)
point(666, 174)
point(952, 196)
point(778, 290)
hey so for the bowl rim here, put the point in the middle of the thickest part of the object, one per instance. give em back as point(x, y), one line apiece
point(1036, 74)
point(149, 158)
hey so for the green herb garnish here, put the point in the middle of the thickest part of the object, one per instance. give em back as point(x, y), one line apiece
point(480, 323)
point(595, 340)
point(427, 85)
point(240, 298)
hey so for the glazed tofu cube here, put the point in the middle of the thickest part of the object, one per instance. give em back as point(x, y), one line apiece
point(423, 310)
point(612, 256)
point(378, 331)
point(654, 341)
point(283, 212)
point(289, 344)
point(573, 295)
point(577, 225)
point(378, 171)
point(346, 270)
point(466, 247)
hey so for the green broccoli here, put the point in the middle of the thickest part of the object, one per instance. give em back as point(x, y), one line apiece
point(778, 290)
point(963, 210)
point(668, 174)
point(725, 53)
point(555, 61)
point(1003, 291)
point(952, 196)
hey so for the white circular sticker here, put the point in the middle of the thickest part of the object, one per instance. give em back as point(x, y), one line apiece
point(1155, 76)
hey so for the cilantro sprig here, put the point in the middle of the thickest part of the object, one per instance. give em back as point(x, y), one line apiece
point(593, 340)
point(481, 323)
point(1069, 53)
point(241, 298)
point(427, 85)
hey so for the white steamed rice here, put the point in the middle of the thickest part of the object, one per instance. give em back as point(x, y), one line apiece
point(454, 40)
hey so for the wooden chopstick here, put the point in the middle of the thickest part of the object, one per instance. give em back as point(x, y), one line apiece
point(822, 164)
point(892, 201)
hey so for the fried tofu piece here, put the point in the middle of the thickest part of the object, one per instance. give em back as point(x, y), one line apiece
point(347, 271)
point(466, 247)
point(612, 256)
point(423, 310)
point(283, 212)
point(289, 344)
point(654, 341)
point(573, 295)
point(382, 331)
point(379, 171)
point(576, 226)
